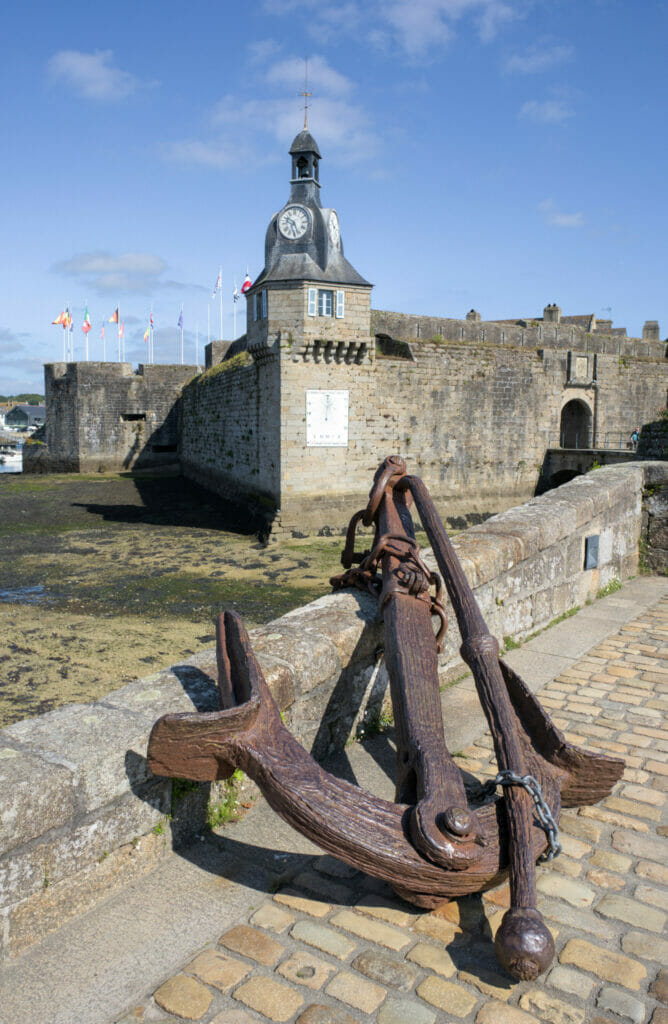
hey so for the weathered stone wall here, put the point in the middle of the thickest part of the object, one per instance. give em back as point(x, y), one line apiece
point(105, 417)
point(81, 815)
point(474, 420)
point(409, 327)
point(229, 437)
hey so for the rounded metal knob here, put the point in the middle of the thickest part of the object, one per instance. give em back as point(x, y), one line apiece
point(457, 820)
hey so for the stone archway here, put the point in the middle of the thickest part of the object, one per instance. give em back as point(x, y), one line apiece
point(575, 426)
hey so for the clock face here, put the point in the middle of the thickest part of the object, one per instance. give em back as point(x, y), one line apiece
point(334, 233)
point(293, 222)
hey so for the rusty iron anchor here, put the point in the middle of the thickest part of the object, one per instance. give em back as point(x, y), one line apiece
point(437, 842)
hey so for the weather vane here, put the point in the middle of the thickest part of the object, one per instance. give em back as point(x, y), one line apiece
point(305, 93)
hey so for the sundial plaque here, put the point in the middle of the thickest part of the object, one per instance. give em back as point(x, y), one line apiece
point(327, 419)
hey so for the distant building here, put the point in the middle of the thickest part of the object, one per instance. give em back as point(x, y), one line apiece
point(26, 417)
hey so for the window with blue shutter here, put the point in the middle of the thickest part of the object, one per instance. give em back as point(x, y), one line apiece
point(340, 304)
point(264, 303)
point(312, 301)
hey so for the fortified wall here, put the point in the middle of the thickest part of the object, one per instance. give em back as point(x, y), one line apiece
point(473, 406)
point(104, 417)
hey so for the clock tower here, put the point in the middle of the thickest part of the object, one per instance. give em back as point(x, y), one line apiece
point(308, 332)
point(307, 291)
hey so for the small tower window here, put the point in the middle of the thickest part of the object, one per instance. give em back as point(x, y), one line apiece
point(303, 168)
point(325, 302)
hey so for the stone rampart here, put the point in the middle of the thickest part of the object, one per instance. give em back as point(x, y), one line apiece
point(81, 815)
point(536, 334)
point(229, 437)
point(104, 417)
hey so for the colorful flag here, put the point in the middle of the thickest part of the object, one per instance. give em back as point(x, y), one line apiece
point(102, 332)
point(151, 321)
point(121, 329)
point(246, 285)
point(146, 333)
point(86, 325)
point(114, 318)
point(68, 320)
point(62, 319)
point(217, 285)
point(235, 293)
point(180, 320)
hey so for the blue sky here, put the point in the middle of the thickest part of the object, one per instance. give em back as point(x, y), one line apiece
point(500, 154)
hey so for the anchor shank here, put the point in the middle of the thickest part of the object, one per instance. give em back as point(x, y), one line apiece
point(442, 826)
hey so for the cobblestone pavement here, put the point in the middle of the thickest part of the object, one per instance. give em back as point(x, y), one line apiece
point(336, 947)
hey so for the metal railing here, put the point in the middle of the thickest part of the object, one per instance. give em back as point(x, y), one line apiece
point(611, 440)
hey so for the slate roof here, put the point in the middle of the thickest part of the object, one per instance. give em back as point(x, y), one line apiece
point(304, 143)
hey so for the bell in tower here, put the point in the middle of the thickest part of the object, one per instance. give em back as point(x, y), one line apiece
point(305, 181)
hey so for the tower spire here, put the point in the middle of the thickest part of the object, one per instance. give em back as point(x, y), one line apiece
point(305, 93)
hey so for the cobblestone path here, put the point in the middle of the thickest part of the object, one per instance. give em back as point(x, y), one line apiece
point(336, 947)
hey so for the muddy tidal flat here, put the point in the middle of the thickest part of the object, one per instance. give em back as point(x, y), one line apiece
point(104, 579)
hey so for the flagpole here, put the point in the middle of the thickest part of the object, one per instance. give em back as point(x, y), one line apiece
point(208, 323)
point(220, 278)
point(86, 333)
point(118, 330)
point(234, 312)
point(64, 341)
point(196, 344)
point(181, 334)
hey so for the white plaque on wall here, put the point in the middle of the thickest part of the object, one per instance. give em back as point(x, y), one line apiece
point(327, 419)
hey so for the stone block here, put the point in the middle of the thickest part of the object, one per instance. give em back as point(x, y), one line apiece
point(62, 853)
point(356, 992)
point(373, 931)
point(103, 748)
point(621, 1003)
point(305, 969)
point(37, 796)
point(385, 970)
point(252, 943)
point(273, 999)
point(446, 996)
point(183, 996)
point(327, 940)
point(605, 964)
point(48, 909)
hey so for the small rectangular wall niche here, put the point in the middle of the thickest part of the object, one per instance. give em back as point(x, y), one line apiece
point(130, 417)
point(591, 552)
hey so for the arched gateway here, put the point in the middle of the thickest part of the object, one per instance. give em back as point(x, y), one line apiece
point(575, 428)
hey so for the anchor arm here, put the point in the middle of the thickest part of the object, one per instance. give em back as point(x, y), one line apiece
point(367, 832)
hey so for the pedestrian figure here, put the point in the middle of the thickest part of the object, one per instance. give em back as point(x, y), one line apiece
point(634, 438)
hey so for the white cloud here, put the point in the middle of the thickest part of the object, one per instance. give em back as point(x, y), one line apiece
point(557, 219)
point(92, 75)
point(105, 273)
point(413, 26)
point(239, 127)
point(290, 73)
point(538, 58)
point(546, 111)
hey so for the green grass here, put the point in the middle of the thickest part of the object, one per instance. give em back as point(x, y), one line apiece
point(227, 808)
point(609, 588)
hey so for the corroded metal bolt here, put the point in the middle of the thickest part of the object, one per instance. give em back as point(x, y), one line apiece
point(457, 820)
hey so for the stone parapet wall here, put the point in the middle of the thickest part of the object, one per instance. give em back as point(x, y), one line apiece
point(81, 814)
point(564, 336)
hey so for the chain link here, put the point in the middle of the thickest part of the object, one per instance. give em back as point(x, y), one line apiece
point(547, 822)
